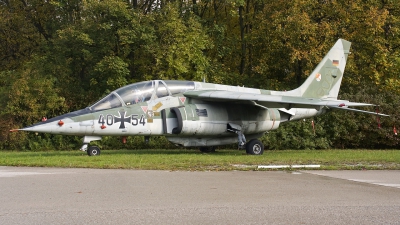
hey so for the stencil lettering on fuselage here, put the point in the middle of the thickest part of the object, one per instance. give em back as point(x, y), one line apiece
point(134, 119)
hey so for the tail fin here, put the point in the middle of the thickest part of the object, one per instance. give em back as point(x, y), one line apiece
point(324, 81)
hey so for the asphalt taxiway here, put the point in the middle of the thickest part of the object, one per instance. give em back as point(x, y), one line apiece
point(95, 196)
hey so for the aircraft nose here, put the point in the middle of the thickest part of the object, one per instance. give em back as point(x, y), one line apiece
point(56, 123)
point(47, 126)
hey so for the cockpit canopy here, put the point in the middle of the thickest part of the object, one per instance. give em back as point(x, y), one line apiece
point(141, 92)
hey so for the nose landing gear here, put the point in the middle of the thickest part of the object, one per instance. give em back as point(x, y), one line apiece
point(93, 151)
point(90, 150)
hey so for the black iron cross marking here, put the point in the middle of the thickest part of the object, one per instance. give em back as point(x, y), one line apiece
point(122, 119)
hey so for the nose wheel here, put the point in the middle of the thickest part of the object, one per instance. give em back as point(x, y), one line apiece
point(93, 151)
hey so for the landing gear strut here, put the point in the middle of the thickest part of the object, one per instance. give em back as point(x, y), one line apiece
point(234, 128)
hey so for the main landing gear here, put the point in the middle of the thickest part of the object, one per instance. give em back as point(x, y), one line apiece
point(253, 147)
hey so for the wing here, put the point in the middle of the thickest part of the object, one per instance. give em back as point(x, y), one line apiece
point(276, 101)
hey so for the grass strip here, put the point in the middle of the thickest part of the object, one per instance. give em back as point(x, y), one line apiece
point(193, 160)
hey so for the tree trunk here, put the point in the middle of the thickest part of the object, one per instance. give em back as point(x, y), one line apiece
point(243, 43)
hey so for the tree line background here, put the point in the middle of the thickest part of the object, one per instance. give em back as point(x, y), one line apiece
point(58, 56)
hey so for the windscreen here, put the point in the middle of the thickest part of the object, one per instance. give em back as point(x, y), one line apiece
point(130, 94)
point(110, 101)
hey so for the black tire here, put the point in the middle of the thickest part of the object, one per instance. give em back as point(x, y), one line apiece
point(207, 149)
point(254, 147)
point(93, 151)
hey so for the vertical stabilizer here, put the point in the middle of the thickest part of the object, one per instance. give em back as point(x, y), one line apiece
point(324, 81)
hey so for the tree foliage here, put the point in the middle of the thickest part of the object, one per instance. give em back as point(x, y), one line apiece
point(59, 56)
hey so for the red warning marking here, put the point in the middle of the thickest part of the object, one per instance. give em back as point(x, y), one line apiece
point(183, 99)
point(144, 108)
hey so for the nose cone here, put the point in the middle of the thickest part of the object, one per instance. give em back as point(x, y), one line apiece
point(48, 126)
point(57, 124)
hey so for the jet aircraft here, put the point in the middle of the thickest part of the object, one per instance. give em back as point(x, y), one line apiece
point(206, 115)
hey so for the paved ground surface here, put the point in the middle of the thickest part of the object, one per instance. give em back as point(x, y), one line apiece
point(91, 196)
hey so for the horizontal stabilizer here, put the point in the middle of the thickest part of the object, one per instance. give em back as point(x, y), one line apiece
point(357, 110)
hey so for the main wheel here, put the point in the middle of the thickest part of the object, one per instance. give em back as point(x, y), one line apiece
point(254, 147)
point(93, 151)
point(207, 149)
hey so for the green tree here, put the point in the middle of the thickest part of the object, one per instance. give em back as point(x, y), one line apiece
point(181, 40)
point(59, 56)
